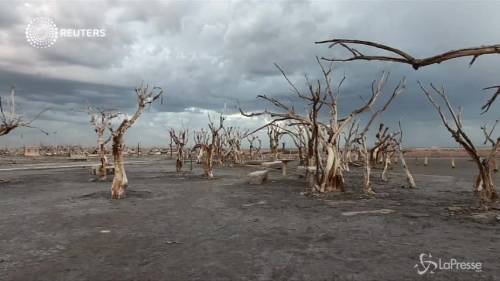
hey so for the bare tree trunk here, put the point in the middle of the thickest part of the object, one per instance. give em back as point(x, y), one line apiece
point(120, 181)
point(332, 179)
point(367, 187)
point(487, 192)
point(178, 166)
point(387, 161)
point(478, 185)
point(180, 159)
point(102, 174)
point(199, 157)
point(208, 164)
point(409, 177)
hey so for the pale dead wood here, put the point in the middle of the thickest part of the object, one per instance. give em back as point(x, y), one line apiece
point(180, 138)
point(400, 56)
point(10, 119)
point(322, 137)
point(212, 147)
point(145, 96)
point(100, 119)
point(399, 142)
point(492, 99)
point(485, 182)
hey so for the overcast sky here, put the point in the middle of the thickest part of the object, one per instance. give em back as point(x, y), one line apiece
point(208, 56)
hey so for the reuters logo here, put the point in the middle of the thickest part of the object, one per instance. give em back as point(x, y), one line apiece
point(41, 32)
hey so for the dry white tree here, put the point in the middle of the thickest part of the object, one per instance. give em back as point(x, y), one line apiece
point(180, 139)
point(350, 145)
point(371, 156)
point(145, 96)
point(386, 146)
point(484, 183)
point(488, 139)
point(484, 180)
point(324, 124)
point(396, 55)
point(299, 135)
point(399, 145)
point(10, 119)
point(274, 132)
point(211, 147)
point(199, 137)
point(254, 150)
point(233, 137)
point(101, 119)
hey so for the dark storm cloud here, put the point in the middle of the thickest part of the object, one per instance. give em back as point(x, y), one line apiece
point(211, 56)
point(38, 88)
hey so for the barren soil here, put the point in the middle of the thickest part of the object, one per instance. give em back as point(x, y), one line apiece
point(58, 225)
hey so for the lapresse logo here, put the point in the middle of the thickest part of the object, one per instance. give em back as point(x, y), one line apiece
point(42, 32)
point(428, 264)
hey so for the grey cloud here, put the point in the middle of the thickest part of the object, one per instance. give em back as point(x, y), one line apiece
point(210, 54)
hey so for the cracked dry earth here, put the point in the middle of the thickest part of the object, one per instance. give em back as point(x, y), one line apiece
point(57, 225)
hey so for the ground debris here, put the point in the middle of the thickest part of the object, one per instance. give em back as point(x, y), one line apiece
point(173, 242)
point(417, 215)
point(483, 217)
point(454, 208)
point(256, 203)
point(379, 211)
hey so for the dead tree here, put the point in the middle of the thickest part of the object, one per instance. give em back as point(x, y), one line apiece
point(455, 127)
point(274, 133)
point(252, 149)
point(233, 137)
point(180, 139)
point(101, 119)
point(399, 143)
point(11, 120)
point(382, 140)
point(397, 55)
point(210, 149)
point(403, 57)
point(324, 136)
point(145, 96)
point(299, 138)
point(200, 137)
point(388, 153)
point(372, 155)
point(488, 139)
point(349, 139)
point(171, 146)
